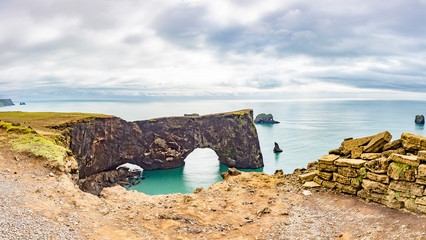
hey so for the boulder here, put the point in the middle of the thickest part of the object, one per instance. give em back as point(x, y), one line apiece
point(378, 165)
point(412, 142)
point(393, 145)
point(407, 187)
point(373, 186)
point(378, 142)
point(335, 151)
point(307, 177)
point(420, 119)
point(409, 160)
point(422, 170)
point(399, 171)
point(265, 118)
point(328, 159)
point(231, 172)
point(370, 156)
point(382, 178)
point(387, 153)
point(277, 148)
point(311, 184)
point(345, 162)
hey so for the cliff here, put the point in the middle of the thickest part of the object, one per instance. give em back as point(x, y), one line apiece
point(104, 143)
point(6, 102)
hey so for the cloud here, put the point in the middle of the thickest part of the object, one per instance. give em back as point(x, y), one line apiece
point(210, 48)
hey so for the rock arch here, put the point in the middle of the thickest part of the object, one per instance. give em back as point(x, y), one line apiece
point(163, 143)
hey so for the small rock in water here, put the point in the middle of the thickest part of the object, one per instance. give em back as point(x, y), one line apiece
point(277, 148)
point(265, 118)
point(420, 119)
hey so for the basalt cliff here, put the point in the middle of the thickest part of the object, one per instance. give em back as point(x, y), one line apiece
point(103, 144)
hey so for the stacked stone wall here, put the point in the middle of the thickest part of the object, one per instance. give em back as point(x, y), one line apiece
point(375, 169)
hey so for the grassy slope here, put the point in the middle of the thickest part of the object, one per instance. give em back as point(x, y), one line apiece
point(40, 121)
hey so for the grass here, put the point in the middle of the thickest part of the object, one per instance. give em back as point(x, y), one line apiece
point(40, 147)
point(42, 121)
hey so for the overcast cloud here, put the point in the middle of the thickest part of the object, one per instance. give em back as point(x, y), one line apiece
point(257, 48)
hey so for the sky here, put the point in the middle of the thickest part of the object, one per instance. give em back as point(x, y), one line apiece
point(260, 49)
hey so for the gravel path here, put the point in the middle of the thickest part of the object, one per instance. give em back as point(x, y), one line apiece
point(20, 222)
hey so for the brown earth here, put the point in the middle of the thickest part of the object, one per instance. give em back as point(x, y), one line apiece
point(38, 204)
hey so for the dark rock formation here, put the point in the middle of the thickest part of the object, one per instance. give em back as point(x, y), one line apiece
point(265, 118)
point(277, 148)
point(95, 183)
point(6, 102)
point(191, 115)
point(420, 119)
point(105, 143)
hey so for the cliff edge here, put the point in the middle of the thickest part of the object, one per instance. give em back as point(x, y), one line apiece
point(163, 143)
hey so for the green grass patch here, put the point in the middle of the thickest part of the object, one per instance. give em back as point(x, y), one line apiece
point(40, 147)
point(402, 167)
point(15, 128)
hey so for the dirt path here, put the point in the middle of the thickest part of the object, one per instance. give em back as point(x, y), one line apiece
point(36, 204)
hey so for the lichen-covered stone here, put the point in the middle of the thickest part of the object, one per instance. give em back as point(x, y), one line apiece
point(392, 145)
point(328, 159)
point(347, 171)
point(379, 165)
point(370, 156)
point(422, 170)
point(373, 186)
point(409, 160)
point(325, 175)
point(362, 172)
point(421, 180)
point(421, 156)
point(402, 172)
point(413, 142)
point(318, 180)
point(387, 153)
point(346, 188)
point(307, 177)
point(348, 145)
point(377, 142)
point(341, 179)
point(378, 177)
point(164, 143)
point(346, 162)
point(421, 200)
point(409, 188)
point(326, 167)
point(328, 184)
point(412, 206)
point(357, 152)
point(375, 197)
point(311, 184)
point(356, 182)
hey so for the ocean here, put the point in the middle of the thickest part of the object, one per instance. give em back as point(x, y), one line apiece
point(307, 130)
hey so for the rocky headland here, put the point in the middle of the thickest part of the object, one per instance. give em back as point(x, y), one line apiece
point(6, 102)
point(105, 143)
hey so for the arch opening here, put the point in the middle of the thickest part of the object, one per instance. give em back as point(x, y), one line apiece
point(202, 168)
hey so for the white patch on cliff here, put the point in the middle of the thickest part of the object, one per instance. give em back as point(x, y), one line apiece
point(131, 167)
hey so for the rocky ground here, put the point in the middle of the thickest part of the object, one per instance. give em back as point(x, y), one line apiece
point(36, 203)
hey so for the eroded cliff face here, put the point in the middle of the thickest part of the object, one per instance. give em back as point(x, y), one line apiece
point(163, 143)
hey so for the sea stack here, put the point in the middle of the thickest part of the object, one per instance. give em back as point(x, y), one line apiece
point(420, 119)
point(265, 118)
point(277, 148)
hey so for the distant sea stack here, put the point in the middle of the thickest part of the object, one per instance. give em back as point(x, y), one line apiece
point(420, 119)
point(6, 102)
point(265, 118)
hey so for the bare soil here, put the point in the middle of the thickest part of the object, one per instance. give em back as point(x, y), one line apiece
point(38, 204)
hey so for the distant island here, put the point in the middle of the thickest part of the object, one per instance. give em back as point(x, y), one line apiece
point(6, 102)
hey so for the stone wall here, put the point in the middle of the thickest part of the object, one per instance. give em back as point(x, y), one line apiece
point(373, 168)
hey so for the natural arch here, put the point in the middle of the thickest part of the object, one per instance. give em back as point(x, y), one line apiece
point(163, 143)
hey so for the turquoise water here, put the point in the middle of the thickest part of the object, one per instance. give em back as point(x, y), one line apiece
point(308, 130)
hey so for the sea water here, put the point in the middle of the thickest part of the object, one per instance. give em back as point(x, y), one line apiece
point(307, 130)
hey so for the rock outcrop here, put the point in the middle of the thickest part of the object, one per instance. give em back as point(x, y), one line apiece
point(390, 173)
point(105, 143)
point(6, 102)
point(420, 119)
point(277, 148)
point(265, 118)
